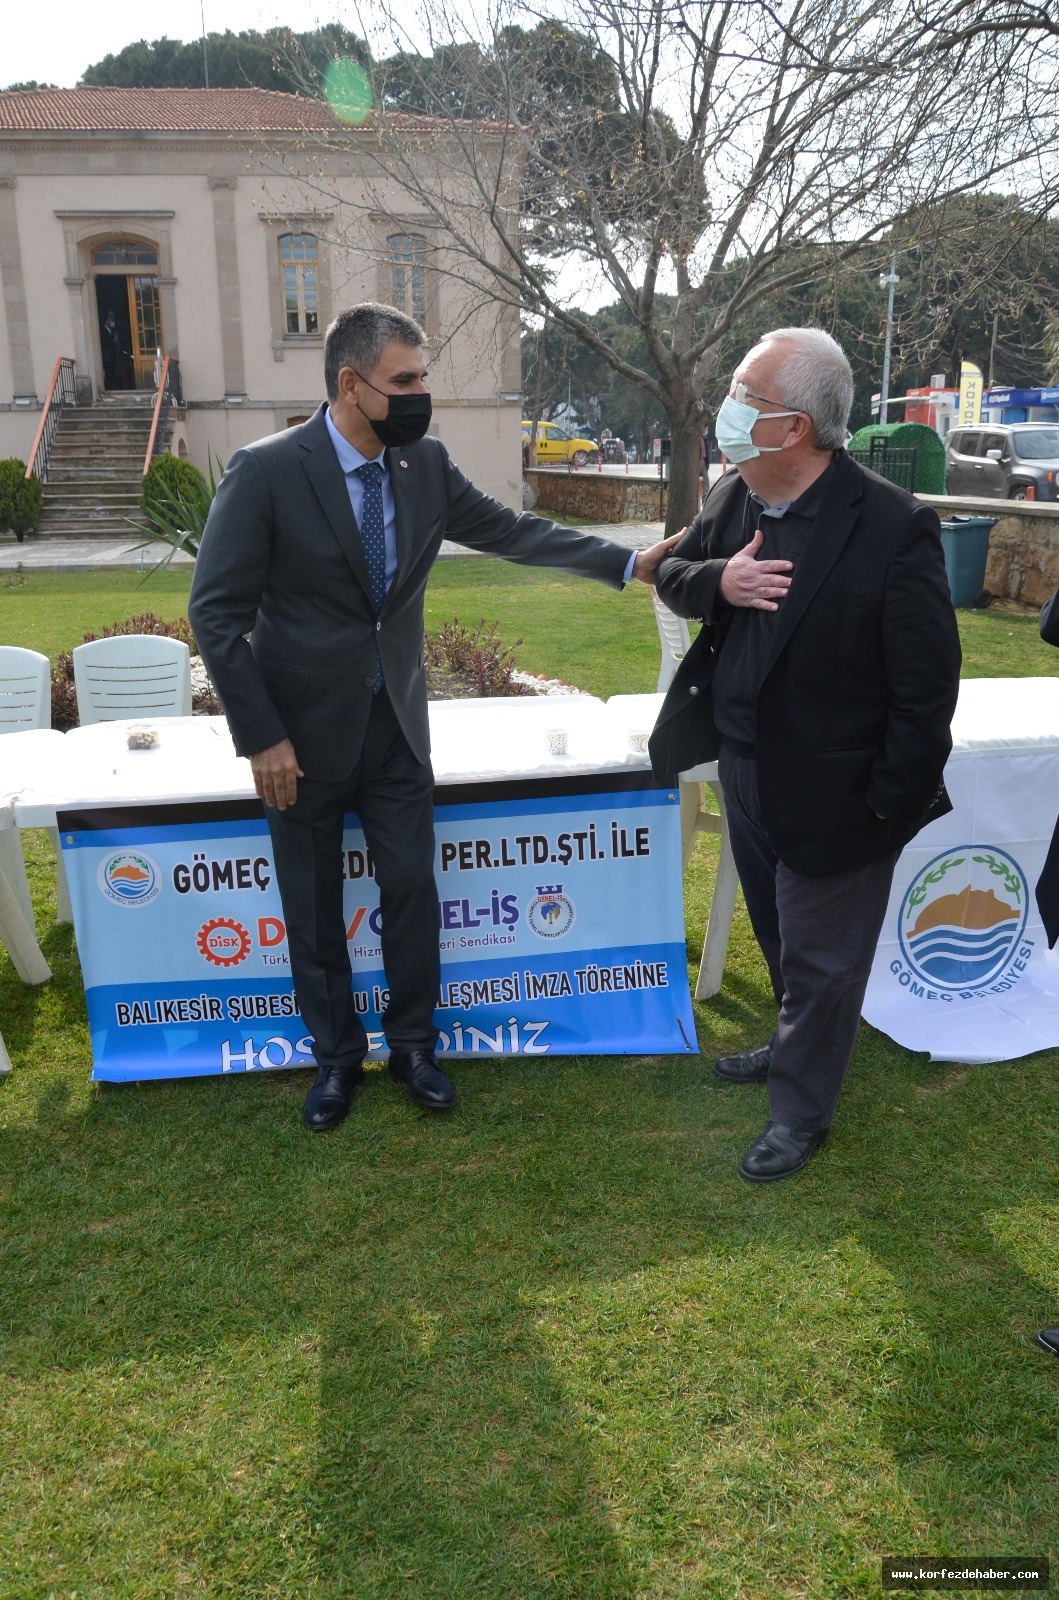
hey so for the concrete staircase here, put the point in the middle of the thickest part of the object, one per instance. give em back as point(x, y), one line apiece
point(95, 474)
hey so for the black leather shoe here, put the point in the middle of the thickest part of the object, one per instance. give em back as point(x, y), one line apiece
point(1048, 1339)
point(750, 1066)
point(423, 1078)
point(328, 1101)
point(779, 1152)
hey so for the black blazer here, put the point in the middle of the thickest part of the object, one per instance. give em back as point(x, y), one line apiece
point(281, 598)
point(1050, 620)
point(860, 685)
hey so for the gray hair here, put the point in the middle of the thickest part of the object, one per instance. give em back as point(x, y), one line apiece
point(357, 338)
point(815, 378)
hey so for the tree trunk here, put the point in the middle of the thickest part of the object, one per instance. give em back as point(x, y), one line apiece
point(684, 474)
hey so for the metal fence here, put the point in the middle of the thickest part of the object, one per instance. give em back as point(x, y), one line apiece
point(898, 464)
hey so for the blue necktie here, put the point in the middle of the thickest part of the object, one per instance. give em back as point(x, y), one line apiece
point(373, 536)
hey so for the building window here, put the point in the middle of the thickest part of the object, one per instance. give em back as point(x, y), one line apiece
point(406, 255)
point(300, 282)
point(124, 253)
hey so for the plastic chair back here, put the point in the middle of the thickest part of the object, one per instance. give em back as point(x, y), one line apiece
point(676, 642)
point(25, 689)
point(132, 675)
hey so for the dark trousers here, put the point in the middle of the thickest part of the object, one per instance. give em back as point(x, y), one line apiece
point(818, 937)
point(392, 793)
point(1048, 890)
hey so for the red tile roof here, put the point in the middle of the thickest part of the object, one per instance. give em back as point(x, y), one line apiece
point(161, 111)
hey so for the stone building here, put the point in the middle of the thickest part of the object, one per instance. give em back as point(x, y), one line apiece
point(224, 227)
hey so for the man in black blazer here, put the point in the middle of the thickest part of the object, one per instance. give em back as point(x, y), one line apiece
point(1048, 883)
point(307, 605)
point(825, 678)
point(1048, 892)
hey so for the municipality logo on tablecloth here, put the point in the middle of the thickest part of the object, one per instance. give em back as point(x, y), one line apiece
point(129, 878)
point(963, 917)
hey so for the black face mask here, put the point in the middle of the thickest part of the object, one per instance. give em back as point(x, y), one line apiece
point(406, 421)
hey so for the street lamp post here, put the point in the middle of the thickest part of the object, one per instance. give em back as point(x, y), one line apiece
point(887, 280)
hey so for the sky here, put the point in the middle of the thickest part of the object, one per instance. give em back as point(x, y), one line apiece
point(54, 41)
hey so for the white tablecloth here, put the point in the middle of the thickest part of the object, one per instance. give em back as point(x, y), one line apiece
point(473, 740)
point(962, 904)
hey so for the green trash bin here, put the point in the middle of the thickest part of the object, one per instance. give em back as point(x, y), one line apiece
point(965, 541)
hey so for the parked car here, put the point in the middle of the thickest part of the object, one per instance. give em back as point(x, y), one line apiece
point(1014, 461)
point(555, 444)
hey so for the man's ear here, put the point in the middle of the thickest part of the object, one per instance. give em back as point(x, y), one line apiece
point(801, 428)
point(347, 385)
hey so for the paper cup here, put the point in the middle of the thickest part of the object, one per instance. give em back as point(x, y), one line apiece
point(557, 741)
point(638, 738)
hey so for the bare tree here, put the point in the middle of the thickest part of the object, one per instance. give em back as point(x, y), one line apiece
point(692, 158)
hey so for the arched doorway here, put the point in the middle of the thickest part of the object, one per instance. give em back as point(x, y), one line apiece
point(129, 310)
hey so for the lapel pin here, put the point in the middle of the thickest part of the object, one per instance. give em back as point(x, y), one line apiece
point(404, 463)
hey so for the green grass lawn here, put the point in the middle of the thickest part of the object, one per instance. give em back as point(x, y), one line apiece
point(590, 636)
point(548, 1348)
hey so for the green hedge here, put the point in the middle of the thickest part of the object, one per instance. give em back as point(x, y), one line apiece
point(930, 452)
point(171, 479)
point(21, 498)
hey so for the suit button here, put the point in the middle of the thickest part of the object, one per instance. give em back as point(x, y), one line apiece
point(369, 683)
point(693, 688)
point(378, 627)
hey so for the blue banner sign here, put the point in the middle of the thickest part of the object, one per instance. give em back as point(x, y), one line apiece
point(1020, 397)
point(561, 928)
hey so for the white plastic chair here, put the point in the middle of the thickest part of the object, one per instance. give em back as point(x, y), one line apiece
point(17, 933)
point(694, 818)
point(25, 702)
point(25, 689)
point(676, 642)
point(132, 675)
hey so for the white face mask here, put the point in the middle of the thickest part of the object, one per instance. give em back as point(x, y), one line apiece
point(735, 425)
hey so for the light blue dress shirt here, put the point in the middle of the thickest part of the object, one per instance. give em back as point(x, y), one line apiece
point(349, 459)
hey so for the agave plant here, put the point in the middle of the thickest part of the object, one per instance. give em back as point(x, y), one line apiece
point(177, 520)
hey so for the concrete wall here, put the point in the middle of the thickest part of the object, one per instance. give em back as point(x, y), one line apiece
point(1023, 546)
point(599, 497)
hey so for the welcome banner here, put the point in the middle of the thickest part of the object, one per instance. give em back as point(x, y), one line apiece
point(561, 929)
point(963, 968)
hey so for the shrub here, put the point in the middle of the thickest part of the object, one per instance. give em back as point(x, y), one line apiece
point(170, 479)
point(21, 498)
point(479, 655)
point(176, 506)
point(63, 695)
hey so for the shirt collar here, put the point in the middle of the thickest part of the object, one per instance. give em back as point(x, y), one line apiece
point(806, 505)
point(349, 457)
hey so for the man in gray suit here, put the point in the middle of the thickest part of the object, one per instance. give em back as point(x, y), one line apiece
point(307, 605)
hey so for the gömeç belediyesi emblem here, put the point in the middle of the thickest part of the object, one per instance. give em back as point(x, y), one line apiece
point(963, 917)
point(551, 914)
point(129, 878)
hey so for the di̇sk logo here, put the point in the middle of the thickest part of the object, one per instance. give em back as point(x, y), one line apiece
point(223, 941)
point(129, 878)
point(963, 917)
point(551, 914)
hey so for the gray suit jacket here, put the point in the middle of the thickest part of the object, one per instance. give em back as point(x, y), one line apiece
point(281, 598)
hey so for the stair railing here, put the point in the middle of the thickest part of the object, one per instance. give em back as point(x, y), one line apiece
point(60, 393)
point(170, 393)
